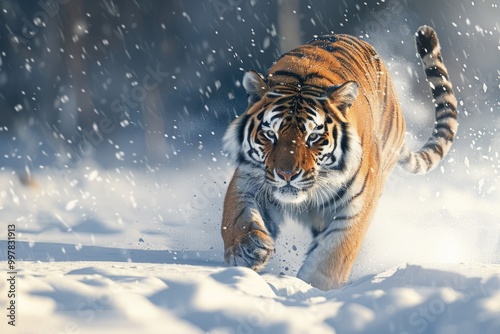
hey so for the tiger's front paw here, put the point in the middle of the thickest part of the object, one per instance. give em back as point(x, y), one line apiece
point(253, 250)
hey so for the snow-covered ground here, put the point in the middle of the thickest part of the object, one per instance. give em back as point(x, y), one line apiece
point(125, 251)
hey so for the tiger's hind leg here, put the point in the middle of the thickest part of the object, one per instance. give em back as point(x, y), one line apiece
point(331, 257)
point(247, 241)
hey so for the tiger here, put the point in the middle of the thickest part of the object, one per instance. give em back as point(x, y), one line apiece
point(322, 132)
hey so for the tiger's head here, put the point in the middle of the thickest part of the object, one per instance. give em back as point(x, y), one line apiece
point(296, 141)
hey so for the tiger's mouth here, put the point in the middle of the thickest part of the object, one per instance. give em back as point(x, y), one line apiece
point(289, 194)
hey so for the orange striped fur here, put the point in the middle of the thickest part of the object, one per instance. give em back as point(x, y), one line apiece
point(321, 134)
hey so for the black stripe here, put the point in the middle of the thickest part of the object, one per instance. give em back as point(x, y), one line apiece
point(439, 90)
point(280, 108)
point(288, 74)
point(425, 45)
point(355, 42)
point(350, 200)
point(335, 134)
point(239, 215)
point(309, 101)
point(427, 158)
point(295, 53)
point(311, 92)
point(270, 224)
point(444, 133)
point(310, 111)
point(317, 75)
point(325, 42)
point(435, 71)
point(248, 198)
point(325, 38)
point(284, 100)
point(436, 148)
point(251, 126)
point(442, 127)
point(446, 114)
point(444, 105)
point(341, 192)
point(362, 50)
point(347, 217)
point(248, 254)
point(344, 145)
point(301, 126)
point(258, 142)
point(271, 95)
point(331, 114)
point(406, 159)
point(276, 116)
point(314, 232)
point(240, 160)
point(241, 128)
point(313, 246)
point(283, 89)
point(326, 46)
point(334, 230)
point(418, 166)
point(348, 59)
point(343, 189)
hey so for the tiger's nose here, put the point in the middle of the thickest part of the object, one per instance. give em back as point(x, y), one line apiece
point(288, 175)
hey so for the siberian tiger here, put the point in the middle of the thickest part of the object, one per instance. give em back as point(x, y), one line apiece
point(321, 134)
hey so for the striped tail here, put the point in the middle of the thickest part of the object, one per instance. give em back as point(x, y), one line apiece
point(439, 143)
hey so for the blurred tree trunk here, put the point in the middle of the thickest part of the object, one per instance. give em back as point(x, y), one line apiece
point(151, 106)
point(80, 108)
point(289, 24)
point(154, 126)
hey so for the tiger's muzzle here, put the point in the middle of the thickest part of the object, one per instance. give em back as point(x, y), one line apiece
point(288, 187)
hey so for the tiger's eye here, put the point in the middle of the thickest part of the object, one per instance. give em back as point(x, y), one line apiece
point(313, 137)
point(270, 134)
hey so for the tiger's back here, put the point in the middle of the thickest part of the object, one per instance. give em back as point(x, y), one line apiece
point(321, 134)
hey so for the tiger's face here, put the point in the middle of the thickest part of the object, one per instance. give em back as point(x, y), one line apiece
point(293, 146)
point(297, 136)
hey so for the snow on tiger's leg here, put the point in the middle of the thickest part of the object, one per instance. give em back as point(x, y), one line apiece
point(332, 254)
point(247, 241)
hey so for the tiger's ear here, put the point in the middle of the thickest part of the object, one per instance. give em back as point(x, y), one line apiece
point(343, 96)
point(255, 86)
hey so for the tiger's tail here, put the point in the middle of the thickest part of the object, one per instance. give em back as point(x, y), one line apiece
point(445, 128)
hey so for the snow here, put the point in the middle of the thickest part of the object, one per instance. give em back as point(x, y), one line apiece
point(184, 298)
point(123, 251)
point(137, 248)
